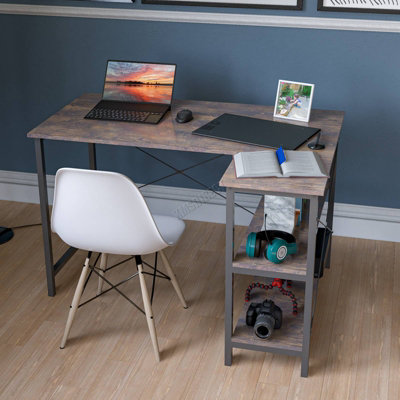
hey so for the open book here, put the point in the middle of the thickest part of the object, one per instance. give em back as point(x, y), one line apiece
point(265, 163)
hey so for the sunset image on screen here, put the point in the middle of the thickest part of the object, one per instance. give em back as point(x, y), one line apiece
point(137, 82)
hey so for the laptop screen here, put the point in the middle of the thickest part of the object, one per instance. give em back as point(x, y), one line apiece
point(139, 82)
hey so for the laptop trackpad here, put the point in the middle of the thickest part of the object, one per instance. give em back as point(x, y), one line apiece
point(153, 118)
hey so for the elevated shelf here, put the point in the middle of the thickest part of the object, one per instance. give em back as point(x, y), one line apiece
point(286, 340)
point(294, 187)
point(294, 267)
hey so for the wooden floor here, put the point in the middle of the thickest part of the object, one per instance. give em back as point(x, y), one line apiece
point(355, 343)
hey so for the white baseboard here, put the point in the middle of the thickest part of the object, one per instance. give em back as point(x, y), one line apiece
point(377, 223)
point(191, 204)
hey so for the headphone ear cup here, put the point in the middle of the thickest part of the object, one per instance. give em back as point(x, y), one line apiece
point(251, 244)
point(277, 251)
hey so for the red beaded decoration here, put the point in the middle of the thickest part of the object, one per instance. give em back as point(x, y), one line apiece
point(276, 283)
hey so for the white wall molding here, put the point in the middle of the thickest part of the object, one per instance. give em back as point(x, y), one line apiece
point(203, 17)
point(350, 220)
point(192, 204)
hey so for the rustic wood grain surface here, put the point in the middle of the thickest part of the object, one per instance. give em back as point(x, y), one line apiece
point(69, 124)
point(330, 123)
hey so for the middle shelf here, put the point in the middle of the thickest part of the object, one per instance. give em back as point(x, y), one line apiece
point(294, 267)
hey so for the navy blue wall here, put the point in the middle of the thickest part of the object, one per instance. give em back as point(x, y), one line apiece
point(48, 61)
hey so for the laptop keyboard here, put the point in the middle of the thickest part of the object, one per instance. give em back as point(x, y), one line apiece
point(120, 115)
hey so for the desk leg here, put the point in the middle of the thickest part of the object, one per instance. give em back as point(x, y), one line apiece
point(229, 246)
point(331, 205)
point(92, 156)
point(308, 298)
point(44, 210)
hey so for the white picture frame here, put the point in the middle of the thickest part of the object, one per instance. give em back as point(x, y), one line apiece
point(294, 100)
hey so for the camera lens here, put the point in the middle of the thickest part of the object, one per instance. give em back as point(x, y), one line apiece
point(264, 326)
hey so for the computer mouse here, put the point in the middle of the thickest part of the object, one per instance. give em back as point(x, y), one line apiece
point(184, 116)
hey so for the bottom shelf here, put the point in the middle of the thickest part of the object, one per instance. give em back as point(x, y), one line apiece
point(289, 338)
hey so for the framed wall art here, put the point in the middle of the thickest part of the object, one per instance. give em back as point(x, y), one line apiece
point(274, 4)
point(369, 6)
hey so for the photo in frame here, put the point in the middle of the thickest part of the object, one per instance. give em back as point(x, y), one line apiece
point(293, 100)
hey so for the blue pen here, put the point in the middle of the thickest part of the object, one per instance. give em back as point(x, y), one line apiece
point(281, 155)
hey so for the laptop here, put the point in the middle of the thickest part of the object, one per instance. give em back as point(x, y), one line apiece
point(135, 92)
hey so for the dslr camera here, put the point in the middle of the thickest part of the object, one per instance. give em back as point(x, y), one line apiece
point(265, 317)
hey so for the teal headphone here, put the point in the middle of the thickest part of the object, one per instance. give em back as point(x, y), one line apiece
point(279, 245)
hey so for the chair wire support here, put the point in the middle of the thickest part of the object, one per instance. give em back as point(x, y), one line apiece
point(107, 290)
point(119, 291)
point(164, 276)
point(155, 274)
point(94, 269)
point(119, 263)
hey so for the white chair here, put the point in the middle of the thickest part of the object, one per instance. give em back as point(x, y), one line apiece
point(104, 212)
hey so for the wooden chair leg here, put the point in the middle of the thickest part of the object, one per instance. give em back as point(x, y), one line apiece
point(75, 302)
point(148, 311)
point(103, 266)
point(172, 276)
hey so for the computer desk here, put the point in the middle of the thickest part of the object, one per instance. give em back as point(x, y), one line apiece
point(69, 125)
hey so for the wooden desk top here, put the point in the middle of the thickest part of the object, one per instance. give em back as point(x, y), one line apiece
point(69, 124)
point(330, 123)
